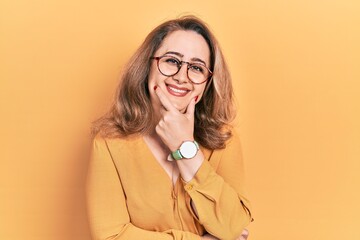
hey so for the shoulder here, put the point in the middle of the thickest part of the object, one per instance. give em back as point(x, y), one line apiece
point(100, 141)
point(233, 143)
point(232, 151)
point(235, 138)
point(233, 148)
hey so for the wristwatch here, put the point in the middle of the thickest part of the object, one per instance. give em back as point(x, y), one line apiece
point(187, 150)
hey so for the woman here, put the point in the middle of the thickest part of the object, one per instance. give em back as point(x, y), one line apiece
point(164, 162)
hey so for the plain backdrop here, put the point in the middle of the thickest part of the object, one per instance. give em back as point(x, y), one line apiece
point(295, 67)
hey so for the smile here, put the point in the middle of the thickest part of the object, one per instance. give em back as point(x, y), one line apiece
point(176, 91)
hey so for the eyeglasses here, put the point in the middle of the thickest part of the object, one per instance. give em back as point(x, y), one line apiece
point(170, 66)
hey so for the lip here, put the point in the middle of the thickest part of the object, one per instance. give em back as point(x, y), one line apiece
point(177, 91)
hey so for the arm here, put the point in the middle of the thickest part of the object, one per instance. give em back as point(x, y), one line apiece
point(217, 198)
point(107, 210)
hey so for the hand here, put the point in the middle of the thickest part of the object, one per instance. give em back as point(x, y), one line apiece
point(174, 127)
point(208, 237)
point(244, 235)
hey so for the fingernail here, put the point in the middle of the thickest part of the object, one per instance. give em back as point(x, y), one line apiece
point(196, 98)
point(155, 87)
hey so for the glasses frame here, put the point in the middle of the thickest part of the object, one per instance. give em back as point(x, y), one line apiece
point(181, 64)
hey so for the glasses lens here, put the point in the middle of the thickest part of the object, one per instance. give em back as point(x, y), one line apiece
point(198, 73)
point(169, 66)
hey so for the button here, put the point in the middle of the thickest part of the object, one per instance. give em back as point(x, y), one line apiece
point(189, 187)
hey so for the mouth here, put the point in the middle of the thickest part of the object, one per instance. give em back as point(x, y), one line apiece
point(176, 91)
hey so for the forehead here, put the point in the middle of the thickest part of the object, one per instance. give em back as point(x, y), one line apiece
point(188, 43)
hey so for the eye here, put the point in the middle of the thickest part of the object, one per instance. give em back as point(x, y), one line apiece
point(171, 61)
point(197, 68)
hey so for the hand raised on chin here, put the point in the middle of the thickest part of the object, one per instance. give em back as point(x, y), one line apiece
point(174, 127)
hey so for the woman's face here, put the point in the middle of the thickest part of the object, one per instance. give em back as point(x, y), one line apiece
point(187, 46)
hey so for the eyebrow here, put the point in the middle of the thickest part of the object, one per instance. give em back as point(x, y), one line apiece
point(182, 55)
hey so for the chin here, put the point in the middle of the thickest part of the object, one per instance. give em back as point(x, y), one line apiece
point(180, 104)
point(180, 108)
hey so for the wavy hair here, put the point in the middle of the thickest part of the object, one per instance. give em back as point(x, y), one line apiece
point(132, 113)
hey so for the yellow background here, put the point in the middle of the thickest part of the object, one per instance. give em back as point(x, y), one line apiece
point(295, 66)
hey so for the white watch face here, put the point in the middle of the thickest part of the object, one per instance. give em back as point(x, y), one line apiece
point(188, 149)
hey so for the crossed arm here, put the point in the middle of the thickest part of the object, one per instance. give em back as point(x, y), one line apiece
point(173, 128)
point(109, 218)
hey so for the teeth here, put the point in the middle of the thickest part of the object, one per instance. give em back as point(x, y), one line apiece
point(177, 90)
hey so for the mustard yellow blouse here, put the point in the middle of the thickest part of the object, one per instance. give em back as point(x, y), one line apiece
point(130, 196)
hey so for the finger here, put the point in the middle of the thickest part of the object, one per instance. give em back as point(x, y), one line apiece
point(163, 110)
point(191, 108)
point(164, 100)
point(245, 232)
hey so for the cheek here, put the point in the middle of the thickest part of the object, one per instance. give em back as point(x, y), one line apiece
point(155, 78)
point(151, 78)
point(200, 91)
point(153, 74)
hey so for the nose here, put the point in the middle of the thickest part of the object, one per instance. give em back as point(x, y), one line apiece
point(181, 76)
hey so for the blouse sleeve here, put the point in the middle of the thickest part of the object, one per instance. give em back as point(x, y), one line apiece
point(107, 210)
point(218, 196)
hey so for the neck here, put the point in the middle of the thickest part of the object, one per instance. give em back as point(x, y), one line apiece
point(155, 139)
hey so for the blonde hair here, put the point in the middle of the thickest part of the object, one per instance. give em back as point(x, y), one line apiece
point(132, 112)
